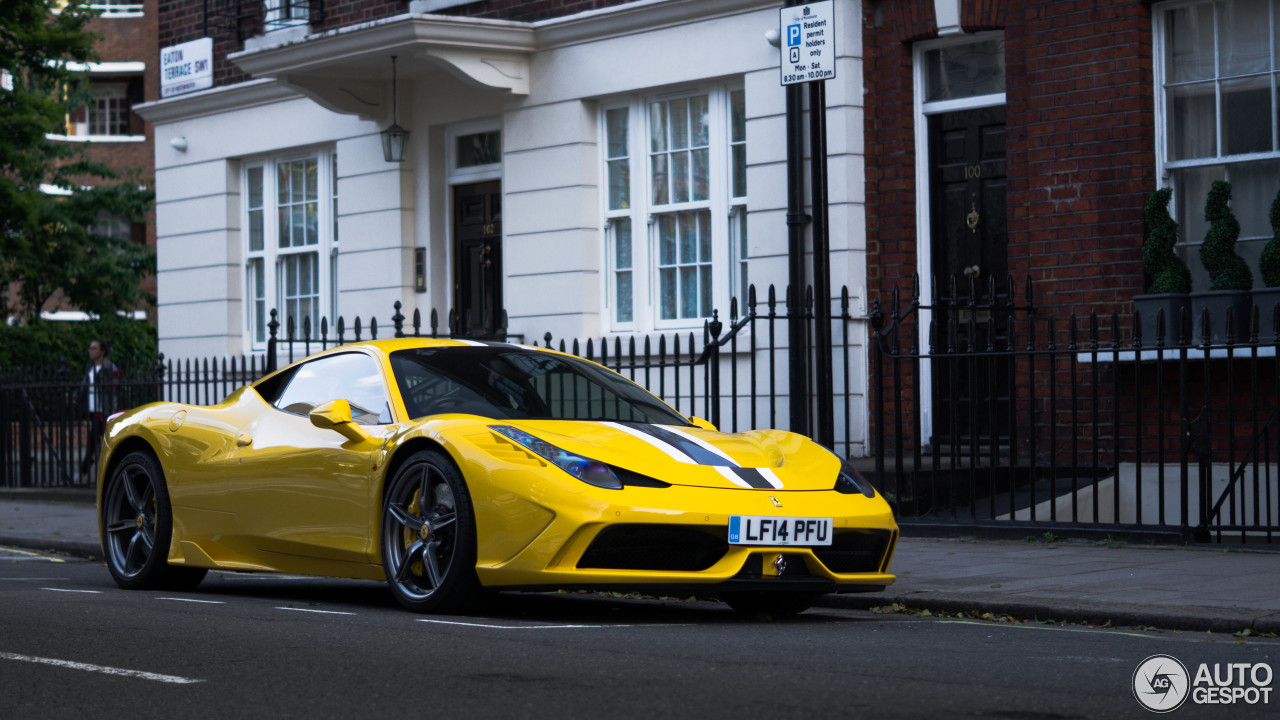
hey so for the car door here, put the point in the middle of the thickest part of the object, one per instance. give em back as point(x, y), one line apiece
point(301, 490)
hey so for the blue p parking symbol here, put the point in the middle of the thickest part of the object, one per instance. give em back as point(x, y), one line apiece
point(793, 35)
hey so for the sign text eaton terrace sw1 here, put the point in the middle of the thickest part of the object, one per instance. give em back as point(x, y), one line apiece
point(186, 68)
point(808, 42)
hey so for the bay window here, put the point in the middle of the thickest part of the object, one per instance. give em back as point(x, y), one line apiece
point(675, 223)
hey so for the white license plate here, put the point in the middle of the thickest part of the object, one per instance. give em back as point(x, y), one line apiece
point(757, 530)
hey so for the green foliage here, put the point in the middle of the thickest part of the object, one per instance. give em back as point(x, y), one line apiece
point(1269, 263)
point(1227, 270)
point(53, 345)
point(53, 243)
point(1167, 271)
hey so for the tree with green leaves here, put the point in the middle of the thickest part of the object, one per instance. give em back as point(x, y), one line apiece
point(1168, 273)
point(55, 202)
point(1227, 270)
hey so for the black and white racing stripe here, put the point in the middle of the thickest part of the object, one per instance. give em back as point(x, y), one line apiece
point(686, 448)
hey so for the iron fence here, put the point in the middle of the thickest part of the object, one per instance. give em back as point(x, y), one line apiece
point(992, 411)
point(735, 375)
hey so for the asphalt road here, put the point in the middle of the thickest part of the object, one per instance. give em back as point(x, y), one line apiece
point(73, 645)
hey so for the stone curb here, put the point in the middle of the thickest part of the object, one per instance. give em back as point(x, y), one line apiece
point(75, 548)
point(1198, 619)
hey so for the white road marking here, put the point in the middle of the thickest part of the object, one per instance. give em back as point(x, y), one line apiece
point(37, 579)
point(521, 627)
point(99, 669)
point(322, 612)
point(192, 600)
point(86, 592)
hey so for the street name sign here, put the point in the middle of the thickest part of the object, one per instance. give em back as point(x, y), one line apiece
point(186, 67)
point(808, 34)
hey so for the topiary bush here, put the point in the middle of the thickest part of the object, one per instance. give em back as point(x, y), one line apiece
point(1227, 270)
point(1167, 272)
point(1269, 263)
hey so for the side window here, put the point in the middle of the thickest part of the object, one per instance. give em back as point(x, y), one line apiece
point(354, 377)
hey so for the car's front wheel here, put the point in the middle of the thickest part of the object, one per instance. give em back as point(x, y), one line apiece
point(137, 525)
point(429, 537)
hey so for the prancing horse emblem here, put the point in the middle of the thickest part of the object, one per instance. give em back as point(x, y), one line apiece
point(776, 502)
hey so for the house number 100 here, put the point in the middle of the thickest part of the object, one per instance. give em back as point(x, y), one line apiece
point(972, 172)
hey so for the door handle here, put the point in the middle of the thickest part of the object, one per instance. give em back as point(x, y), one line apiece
point(243, 440)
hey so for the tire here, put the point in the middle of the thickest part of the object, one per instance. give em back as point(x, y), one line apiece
point(429, 554)
point(137, 526)
point(770, 603)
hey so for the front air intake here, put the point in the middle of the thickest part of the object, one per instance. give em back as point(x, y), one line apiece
point(654, 547)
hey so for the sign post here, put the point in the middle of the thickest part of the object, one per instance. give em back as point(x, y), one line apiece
point(809, 56)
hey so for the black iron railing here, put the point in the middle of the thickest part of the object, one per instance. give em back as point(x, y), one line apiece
point(991, 411)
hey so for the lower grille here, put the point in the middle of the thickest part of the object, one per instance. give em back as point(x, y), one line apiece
point(855, 551)
point(654, 547)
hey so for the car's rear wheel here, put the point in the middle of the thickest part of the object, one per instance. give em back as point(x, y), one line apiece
point(770, 603)
point(137, 525)
point(429, 536)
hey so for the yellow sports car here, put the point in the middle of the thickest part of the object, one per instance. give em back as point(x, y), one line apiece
point(450, 467)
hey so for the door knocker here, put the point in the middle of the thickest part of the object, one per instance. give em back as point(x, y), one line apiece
point(972, 219)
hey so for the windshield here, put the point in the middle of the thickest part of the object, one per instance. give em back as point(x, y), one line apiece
point(518, 384)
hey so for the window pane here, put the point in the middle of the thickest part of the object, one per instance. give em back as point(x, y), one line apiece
point(619, 184)
point(616, 132)
point(689, 292)
point(255, 230)
point(622, 241)
point(1244, 37)
point(254, 181)
point(704, 236)
point(299, 222)
point(354, 377)
point(679, 177)
point(700, 118)
point(679, 124)
point(705, 287)
point(625, 313)
point(282, 183)
point(1253, 189)
point(688, 238)
point(479, 149)
point(1193, 120)
point(667, 284)
point(701, 179)
point(666, 240)
point(1246, 115)
point(738, 116)
point(739, 171)
point(297, 182)
point(283, 227)
point(657, 127)
point(660, 196)
point(1190, 44)
point(963, 71)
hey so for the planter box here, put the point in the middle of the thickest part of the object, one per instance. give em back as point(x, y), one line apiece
point(1149, 307)
point(1266, 299)
point(1218, 303)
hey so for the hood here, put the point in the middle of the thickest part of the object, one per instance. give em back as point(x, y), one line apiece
point(759, 459)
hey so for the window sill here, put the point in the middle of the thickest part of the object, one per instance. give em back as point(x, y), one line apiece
point(98, 138)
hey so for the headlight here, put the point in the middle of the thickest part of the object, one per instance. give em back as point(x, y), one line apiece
point(850, 482)
point(592, 472)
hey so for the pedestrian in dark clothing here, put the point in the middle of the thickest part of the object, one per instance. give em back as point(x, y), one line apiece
point(98, 393)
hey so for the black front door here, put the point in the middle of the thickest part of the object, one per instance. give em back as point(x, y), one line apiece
point(477, 233)
point(970, 249)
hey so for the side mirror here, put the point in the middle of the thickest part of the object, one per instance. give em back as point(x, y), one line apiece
point(336, 415)
point(702, 423)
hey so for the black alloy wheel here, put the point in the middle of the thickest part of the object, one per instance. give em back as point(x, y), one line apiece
point(429, 536)
point(137, 525)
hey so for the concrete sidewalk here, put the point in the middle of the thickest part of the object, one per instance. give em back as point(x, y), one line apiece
point(1173, 587)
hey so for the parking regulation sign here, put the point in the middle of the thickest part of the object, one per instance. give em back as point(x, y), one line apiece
point(808, 35)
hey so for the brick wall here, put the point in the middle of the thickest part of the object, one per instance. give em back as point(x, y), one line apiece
point(1080, 122)
point(183, 20)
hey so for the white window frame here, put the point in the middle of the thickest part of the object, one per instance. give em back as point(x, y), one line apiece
point(474, 173)
point(646, 313)
point(1165, 168)
point(271, 255)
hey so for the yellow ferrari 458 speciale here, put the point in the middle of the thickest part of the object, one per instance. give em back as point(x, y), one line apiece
point(451, 467)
